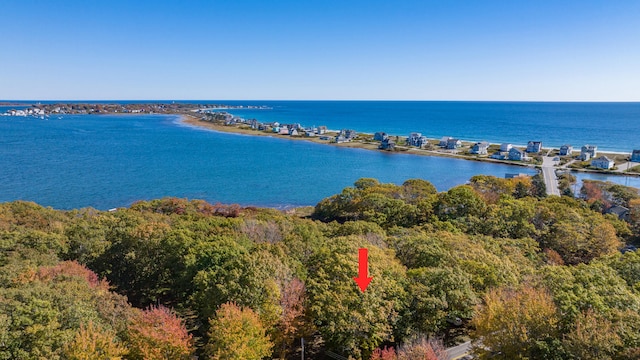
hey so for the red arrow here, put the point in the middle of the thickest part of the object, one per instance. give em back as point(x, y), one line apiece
point(363, 269)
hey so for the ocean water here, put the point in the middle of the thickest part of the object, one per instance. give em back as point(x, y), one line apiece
point(611, 126)
point(109, 161)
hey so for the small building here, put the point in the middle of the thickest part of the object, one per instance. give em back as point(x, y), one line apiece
point(500, 155)
point(387, 144)
point(505, 147)
point(480, 148)
point(517, 154)
point(284, 130)
point(602, 162)
point(310, 133)
point(620, 211)
point(416, 139)
point(293, 132)
point(380, 136)
point(566, 150)
point(534, 146)
point(453, 144)
point(588, 152)
point(443, 142)
point(635, 156)
point(341, 139)
point(322, 130)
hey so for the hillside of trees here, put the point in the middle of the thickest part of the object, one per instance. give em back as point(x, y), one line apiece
point(522, 275)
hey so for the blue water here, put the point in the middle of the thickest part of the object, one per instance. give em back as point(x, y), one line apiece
point(110, 161)
point(611, 126)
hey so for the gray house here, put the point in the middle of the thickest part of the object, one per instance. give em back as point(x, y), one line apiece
point(588, 152)
point(534, 146)
point(387, 144)
point(416, 139)
point(566, 150)
point(453, 144)
point(380, 136)
point(444, 140)
point(620, 211)
point(480, 148)
point(635, 156)
point(517, 154)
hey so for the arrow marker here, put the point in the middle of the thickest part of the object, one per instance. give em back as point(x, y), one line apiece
point(363, 269)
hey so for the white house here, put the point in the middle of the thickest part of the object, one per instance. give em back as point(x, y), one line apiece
point(505, 147)
point(602, 162)
point(480, 148)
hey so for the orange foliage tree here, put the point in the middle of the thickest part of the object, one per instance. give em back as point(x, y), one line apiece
point(158, 333)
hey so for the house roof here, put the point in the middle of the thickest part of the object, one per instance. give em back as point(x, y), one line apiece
point(603, 158)
point(618, 210)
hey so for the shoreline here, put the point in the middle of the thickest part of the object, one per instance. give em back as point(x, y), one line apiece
point(193, 121)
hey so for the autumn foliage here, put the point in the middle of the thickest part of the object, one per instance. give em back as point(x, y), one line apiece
point(157, 333)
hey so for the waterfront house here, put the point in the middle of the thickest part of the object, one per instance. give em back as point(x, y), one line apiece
point(620, 211)
point(500, 155)
point(416, 139)
point(517, 154)
point(379, 136)
point(322, 130)
point(453, 144)
point(588, 152)
point(566, 150)
point(276, 129)
point(348, 134)
point(284, 130)
point(387, 144)
point(341, 139)
point(534, 146)
point(505, 147)
point(444, 140)
point(602, 162)
point(635, 156)
point(254, 124)
point(480, 148)
point(310, 133)
point(293, 132)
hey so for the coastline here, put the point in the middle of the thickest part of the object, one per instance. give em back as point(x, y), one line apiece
point(194, 121)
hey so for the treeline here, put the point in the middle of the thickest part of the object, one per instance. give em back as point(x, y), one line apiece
point(522, 275)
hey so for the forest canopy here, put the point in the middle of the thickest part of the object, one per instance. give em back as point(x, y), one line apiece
point(494, 261)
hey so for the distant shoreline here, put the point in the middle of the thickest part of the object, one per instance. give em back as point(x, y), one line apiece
point(193, 120)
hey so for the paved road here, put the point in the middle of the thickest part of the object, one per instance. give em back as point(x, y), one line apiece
point(550, 178)
point(459, 351)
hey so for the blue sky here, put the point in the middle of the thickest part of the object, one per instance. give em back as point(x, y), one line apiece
point(307, 49)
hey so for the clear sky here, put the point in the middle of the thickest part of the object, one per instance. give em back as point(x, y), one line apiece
point(574, 50)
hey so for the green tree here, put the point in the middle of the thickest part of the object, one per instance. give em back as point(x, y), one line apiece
point(517, 324)
point(237, 333)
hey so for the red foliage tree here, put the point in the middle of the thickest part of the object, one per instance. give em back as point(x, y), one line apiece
point(158, 333)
